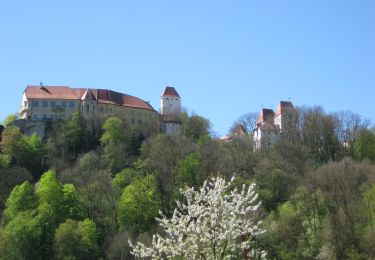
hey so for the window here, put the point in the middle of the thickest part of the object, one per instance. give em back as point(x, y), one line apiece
point(35, 103)
point(35, 117)
point(71, 104)
point(101, 109)
point(63, 103)
point(87, 108)
point(139, 121)
point(44, 116)
point(53, 103)
point(139, 114)
point(45, 103)
point(133, 121)
point(132, 113)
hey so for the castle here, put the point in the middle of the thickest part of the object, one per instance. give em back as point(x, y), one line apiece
point(271, 126)
point(51, 103)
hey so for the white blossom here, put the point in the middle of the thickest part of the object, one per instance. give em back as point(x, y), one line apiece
point(214, 223)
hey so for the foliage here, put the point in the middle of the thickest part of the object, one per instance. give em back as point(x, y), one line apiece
point(115, 143)
point(139, 204)
point(9, 119)
point(21, 198)
point(76, 240)
point(106, 186)
point(22, 150)
point(195, 126)
point(364, 146)
point(215, 222)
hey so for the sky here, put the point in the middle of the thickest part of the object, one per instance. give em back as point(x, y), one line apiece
point(225, 58)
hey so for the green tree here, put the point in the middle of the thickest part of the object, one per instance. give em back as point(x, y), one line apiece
point(75, 133)
point(127, 176)
point(50, 209)
point(139, 205)
point(9, 119)
point(22, 150)
point(71, 202)
point(22, 237)
point(76, 240)
point(115, 143)
point(187, 173)
point(21, 198)
point(195, 126)
point(364, 146)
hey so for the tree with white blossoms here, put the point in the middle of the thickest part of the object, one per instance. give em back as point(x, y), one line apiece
point(216, 222)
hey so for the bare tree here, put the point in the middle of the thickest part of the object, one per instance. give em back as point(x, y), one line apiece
point(247, 121)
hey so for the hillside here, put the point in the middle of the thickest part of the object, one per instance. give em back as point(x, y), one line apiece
point(78, 194)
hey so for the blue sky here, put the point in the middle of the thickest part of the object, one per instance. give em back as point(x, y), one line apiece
point(225, 58)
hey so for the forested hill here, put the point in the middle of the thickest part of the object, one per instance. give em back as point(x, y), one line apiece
point(83, 195)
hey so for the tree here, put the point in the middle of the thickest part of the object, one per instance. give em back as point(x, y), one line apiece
point(115, 143)
point(195, 126)
point(139, 204)
point(214, 223)
point(9, 119)
point(21, 198)
point(76, 240)
point(364, 146)
point(318, 132)
point(247, 122)
point(75, 133)
point(22, 237)
point(22, 150)
point(348, 126)
point(187, 172)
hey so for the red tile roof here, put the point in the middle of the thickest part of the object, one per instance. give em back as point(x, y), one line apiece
point(53, 92)
point(100, 95)
point(170, 91)
point(265, 115)
point(284, 106)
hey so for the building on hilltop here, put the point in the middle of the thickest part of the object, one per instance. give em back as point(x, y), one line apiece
point(170, 110)
point(272, 126)
point(50, 103)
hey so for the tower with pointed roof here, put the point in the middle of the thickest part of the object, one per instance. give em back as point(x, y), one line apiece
point(170, 102)
point(170, 109)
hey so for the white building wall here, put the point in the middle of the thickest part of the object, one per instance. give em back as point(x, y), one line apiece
point(170, 105)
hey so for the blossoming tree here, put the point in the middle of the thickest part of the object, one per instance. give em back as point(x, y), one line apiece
point(216, 222)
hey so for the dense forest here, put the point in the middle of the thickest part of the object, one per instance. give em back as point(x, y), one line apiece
point(79, 194)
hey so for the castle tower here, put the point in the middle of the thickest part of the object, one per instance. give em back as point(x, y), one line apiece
point(170, 109)
point(170, 102)
point(286, 117)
